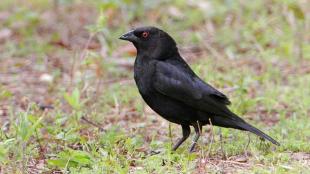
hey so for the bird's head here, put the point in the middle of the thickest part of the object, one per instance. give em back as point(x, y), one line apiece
point(152, 42)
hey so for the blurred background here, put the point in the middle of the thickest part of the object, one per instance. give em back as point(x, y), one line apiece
point(68, 101)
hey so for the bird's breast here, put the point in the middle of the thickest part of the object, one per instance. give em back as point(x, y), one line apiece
point(143, 83)
point(143, 72)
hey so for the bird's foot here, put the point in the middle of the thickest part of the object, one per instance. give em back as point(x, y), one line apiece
point(154, 152)
point(192, 148)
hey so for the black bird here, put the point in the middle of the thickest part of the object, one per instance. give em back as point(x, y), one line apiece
point(169, 86)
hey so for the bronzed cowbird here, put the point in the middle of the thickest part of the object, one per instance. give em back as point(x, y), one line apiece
point(169, 86)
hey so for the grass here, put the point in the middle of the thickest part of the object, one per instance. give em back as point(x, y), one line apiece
point(65, 54)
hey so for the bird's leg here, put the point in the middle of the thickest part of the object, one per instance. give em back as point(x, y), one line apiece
point(197, 128)
point(186, 130)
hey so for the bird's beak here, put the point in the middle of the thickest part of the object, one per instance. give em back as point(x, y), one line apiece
point(129, 36)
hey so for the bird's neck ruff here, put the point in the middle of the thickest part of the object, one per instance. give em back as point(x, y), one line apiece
point(159, 52)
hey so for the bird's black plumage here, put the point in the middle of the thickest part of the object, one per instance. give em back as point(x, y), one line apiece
point(169, 86)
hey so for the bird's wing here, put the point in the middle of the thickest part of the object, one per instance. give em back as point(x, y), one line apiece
point(173, 82)
point(214, 93)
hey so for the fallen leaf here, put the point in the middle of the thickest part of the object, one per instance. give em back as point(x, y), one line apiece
point(5, 33)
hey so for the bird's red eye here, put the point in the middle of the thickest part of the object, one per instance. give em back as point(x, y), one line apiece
point(145, 34)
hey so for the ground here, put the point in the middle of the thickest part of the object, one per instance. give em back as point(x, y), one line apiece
point(68, 102)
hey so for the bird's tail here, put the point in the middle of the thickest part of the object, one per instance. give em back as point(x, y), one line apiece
point(256, 131)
